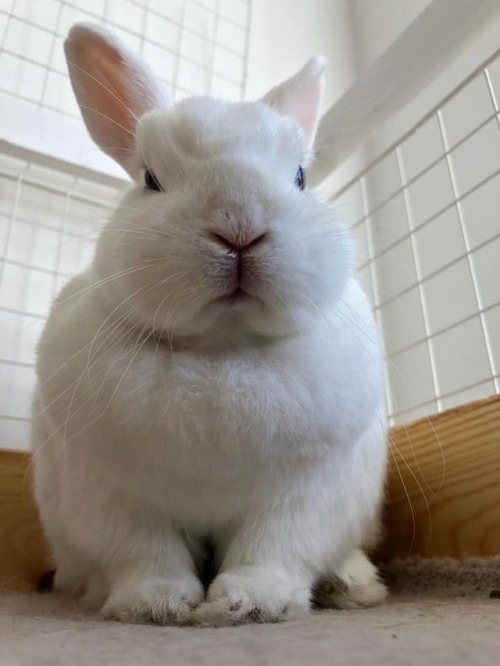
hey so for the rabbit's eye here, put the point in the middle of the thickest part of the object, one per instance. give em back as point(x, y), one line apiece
point(151, 182)
point(300, 178)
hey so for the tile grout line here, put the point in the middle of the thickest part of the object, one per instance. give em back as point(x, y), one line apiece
point(418, 271)
point(470, 261)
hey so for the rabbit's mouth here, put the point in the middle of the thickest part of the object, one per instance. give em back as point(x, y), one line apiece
point(238, 295)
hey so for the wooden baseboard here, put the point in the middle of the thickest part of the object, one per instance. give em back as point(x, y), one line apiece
point(443, 495)
point(24, 556)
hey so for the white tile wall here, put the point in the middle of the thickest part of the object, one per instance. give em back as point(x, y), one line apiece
point(403, 322)
point(196, 46)
point(162, 61)
point(26, 289)
point(467, 110)
point(36, 42)
point(234, 10)
point(161, 31)
point(126, 14)
point(361, 242)
point(390, 223)
point(383, 180)
point(231, 36)
point(486, 262)
point(431, 214)
point(366, 279)
point(44, 14)
point(15, 433)
point(349, 205)
point(47, 234)
point(408, 415)
point(493, 73)
point(14, 379)
point(36, 247)
point(430, 193)
point(492, 320)
point(396, 271)
point(410, 377)
point(210, 4)
point(423, 146)
point(224, 89)
point(440, 242)
point(461, 356)
point(450, 296)
point(201, 20)
point(475, 392)
point(480, 210)
point(477, 158)
point(20, 334)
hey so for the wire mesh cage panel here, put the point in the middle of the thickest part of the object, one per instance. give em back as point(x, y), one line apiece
point(195, 46)
point(48, 225)
point(426, 215)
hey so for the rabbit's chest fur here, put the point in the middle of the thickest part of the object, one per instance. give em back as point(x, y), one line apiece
point(175, 424)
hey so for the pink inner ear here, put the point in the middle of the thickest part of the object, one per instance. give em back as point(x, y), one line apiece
point(109, 94)
point(113, 88)
point(300, 97)
point(306, 110)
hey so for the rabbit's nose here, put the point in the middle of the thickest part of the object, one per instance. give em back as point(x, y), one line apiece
point(240, 241)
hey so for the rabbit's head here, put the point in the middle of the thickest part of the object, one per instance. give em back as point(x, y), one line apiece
point(218, 238)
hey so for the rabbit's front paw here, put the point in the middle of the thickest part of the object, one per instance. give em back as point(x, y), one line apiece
point(355, 585)
point(252, 596)
point(154, 600)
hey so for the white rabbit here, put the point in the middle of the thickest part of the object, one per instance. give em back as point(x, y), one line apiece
point(215, 376)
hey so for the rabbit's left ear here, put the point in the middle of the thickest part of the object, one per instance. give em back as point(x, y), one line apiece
point(113, 87)
point(300, 96)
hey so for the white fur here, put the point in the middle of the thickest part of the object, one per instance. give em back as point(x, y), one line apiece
point(164, 417)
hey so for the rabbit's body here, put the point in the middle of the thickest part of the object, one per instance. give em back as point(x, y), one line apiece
point(258, 442)
point(214, 376)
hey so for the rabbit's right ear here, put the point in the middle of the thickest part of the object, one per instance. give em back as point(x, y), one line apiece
point(113, 88)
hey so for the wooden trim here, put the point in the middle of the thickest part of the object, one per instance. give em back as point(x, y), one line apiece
point(23, 554)
point(443, 494)
point(444, 484)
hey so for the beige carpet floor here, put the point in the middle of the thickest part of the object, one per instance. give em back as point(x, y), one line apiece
point(440, 612)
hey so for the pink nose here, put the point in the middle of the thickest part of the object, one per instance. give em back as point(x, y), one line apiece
point(240, 241)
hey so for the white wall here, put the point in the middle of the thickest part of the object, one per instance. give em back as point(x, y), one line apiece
point(351, 33)
point(285, 33)
point(377, 23)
